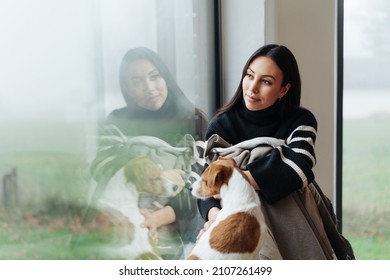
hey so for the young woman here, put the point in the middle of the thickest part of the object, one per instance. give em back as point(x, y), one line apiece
point(155, 107)
point(267, 104)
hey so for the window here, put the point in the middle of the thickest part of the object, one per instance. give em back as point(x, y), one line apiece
point(58, 79)
point(366, 115)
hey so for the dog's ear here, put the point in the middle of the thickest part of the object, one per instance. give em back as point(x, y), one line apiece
point(221, 174)
point(138, 169)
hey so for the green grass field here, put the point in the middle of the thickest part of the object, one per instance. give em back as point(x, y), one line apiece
point(45, 242)
point(366, 186)
point(52, 184)
point(51, 191)
point(46, 222)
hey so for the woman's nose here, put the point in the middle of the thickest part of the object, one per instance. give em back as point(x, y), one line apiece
point(254, 86)
point(148, 85)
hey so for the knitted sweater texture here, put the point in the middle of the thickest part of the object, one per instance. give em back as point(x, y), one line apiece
point(288, 167)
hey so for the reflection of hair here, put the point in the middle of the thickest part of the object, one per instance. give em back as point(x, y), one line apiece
point(175, 94)
point(286, 61)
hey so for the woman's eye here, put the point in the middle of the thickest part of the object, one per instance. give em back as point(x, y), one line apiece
point(266, 82)
point(249, 75)
point(154, 77)
point(136, 82)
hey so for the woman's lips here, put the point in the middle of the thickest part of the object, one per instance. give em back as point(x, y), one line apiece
point(154, 98)
point(251, 98)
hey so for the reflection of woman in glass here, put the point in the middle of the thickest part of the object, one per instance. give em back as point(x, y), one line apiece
point(154, 100)
point(156, 107)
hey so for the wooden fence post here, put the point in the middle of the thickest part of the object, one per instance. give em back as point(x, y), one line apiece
point(10, 191)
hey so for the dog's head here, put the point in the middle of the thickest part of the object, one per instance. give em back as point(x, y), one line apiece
point(149, 177)
point(145, 175)
point(215, 176)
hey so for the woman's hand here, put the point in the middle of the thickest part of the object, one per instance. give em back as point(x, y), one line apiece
point(251, 180)
point(212, 215)
point(156, 219)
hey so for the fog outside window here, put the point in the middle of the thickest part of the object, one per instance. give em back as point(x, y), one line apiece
point(58, 79)
point(366, 134)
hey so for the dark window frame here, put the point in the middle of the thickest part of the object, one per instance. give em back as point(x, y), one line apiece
point(339, 111)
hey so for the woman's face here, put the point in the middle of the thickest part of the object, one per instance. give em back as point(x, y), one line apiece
point(145, 85)
point(262, 84)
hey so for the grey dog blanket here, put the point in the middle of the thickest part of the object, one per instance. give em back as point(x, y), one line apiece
point(303, 223)
point(243, 153)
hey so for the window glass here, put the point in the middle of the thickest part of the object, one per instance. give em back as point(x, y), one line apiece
point(59, 80)
point(366, 146)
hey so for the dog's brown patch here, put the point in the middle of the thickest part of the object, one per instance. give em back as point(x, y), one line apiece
point(215, 175)
point(192, 257)
point(145, 174)
point(238, 233)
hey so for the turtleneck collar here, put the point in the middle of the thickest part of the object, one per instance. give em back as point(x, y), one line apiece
point(167, 111)
point(262, 117)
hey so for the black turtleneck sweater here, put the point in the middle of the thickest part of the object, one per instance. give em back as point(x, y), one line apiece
point(170, 123)
point(288, 167)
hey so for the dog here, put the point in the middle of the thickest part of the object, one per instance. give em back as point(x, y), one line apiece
point(140, 182)
point(239, 231)
point(129, 240)
point(150, 177)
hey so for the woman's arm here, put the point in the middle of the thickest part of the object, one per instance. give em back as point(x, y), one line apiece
point(288, 167)
point(211, 216)
point(251, 180)
point(158, 218)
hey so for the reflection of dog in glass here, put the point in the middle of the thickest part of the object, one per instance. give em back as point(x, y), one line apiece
point(150, 178)
point(140, 177)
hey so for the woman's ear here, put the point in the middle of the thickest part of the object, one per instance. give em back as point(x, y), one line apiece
point(284, 90)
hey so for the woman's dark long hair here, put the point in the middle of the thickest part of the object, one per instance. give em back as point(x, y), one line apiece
point(175, 94)
point(287, 63)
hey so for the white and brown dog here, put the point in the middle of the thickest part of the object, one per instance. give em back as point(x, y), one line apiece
point(239, 230)
point(120, 203)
